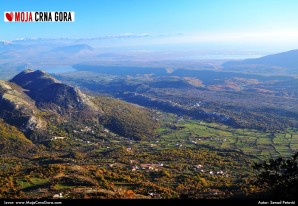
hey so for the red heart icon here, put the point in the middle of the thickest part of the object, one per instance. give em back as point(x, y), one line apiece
point(9, 16)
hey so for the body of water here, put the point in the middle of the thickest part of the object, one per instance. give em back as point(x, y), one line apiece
point(59, 69)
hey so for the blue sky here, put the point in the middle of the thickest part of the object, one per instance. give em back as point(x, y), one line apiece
point(183, 21)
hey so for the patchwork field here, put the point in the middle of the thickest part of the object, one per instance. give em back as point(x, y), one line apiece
point(261, 145)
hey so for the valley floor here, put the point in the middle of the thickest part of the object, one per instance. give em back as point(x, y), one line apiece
point(189, 159)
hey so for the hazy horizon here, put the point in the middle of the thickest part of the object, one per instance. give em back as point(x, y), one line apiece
point(264, 27)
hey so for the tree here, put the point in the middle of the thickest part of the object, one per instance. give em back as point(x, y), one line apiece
point(278, 176)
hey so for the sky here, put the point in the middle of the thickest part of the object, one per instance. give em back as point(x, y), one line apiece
point(187, 22)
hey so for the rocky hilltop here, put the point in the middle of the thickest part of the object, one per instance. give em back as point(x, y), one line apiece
point(19, 109)
point(45, 90)
point(41, 107)
point(29, 94)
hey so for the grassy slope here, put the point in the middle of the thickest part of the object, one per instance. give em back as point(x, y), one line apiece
point(12, 140)
point(126, 119)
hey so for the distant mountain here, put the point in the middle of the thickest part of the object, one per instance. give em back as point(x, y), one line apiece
point(78, 49)
point(281, 63)
point(74, 48)
point(5, 42)
point(18, 53)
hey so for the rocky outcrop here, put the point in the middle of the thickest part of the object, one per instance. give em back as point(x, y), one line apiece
point(31, 96)
point(18, 109)
point(48, 92)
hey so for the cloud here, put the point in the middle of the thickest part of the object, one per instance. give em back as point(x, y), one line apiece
point(228, 37)
point(117, 36)
point(283, 39)
point(125, 35)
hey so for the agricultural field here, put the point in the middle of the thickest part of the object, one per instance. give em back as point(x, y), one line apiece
point(187, 158)
point(260, 145)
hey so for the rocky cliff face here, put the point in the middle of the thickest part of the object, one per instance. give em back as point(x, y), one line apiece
point(30, 94)
point(47, 92)
point(42, 107)
point(18, 109)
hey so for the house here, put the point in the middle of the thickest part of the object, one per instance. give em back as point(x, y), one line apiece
point(220, 172)
point(154, 195)
point(55, 138)
point(134, 168)
point(86, 129)
point(133, 161)
point(58, 195)
point(153, 167)
point(199, 166)
point(105, 131)
point(129, 149)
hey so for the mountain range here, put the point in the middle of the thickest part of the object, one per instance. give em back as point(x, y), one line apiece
point(34, 102)
point(281, 63)
point(21, 54)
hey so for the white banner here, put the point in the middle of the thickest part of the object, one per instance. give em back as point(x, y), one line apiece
point(39, 16)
